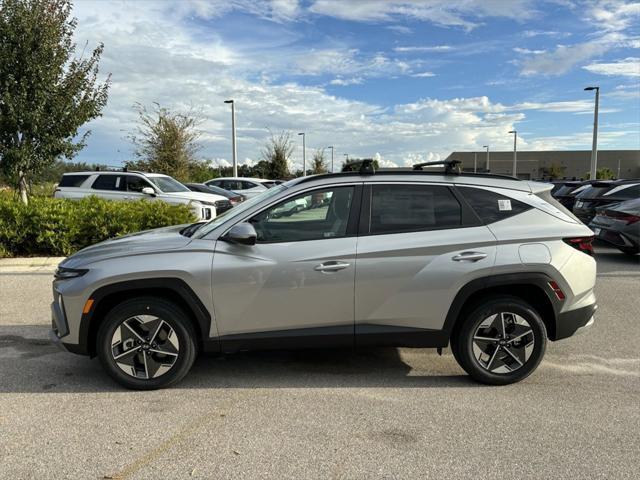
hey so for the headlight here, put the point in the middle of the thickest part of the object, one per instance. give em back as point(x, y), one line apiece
point(63, 273)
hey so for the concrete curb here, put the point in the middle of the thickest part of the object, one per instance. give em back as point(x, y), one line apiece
point(29, 264)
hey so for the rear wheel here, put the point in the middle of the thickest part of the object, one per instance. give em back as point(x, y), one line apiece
point(501, 341)
point(629, 250)
point(146, 343)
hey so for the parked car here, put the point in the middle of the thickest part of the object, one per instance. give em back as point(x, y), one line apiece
point(491, 264)
point(619, 225)
point(566, 193)
point(233, 197)
point(123, 185)
point(602, 193)
point(248, 187)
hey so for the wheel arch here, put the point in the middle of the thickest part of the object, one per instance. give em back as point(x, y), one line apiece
point(530, 287)
point(172, 289)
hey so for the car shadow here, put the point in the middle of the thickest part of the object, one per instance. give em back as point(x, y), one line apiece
point(610, 260)
point(34, 365)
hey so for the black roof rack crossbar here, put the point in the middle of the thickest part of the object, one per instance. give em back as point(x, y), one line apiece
point(450, 166)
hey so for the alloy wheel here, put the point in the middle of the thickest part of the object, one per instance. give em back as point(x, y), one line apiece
point(145, 346)
point(503, 342)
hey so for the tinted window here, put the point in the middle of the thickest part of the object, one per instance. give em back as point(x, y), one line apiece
point(565, 190)
point(406, 208)
point(490, 206)
point(315, 215)
point(72, 180)
point(136, 184)
point(625, 191)
point(108, 182)
point(595, 190)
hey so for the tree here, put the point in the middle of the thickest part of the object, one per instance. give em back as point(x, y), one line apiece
point(276, 154)
point(603, 173)
point(46, 94)
point(166, 142)
point(555, 171)
point(318, 164)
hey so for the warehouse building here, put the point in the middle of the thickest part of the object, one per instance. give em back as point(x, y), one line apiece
point(547, 164)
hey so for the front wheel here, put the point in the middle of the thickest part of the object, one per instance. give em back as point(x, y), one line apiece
point(501, 341)
point(146, 343)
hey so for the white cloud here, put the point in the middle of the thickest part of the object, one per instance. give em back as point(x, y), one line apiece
point(459, 13)
point(545, 33)
point(526, 51)
point(346, 81)
point(627, 67)
point(420, 49)
point(613, 15)
point(423, 74)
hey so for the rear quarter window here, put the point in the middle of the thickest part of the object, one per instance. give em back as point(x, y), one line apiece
point(492, 207)
point(108, 182)
point(72, 180)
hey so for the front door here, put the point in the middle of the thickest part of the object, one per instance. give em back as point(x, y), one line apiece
point(295, 287)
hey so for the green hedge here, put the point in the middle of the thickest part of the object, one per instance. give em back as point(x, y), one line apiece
point(53, 227)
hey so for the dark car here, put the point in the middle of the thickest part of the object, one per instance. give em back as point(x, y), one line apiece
point(619, 225)
point(603, 192)
point(566, 193)
point(233, 197)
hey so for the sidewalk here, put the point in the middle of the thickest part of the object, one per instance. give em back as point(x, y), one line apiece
point(29, 264)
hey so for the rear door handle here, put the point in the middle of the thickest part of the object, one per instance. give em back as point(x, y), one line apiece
point(332, 266)
point(469, 257)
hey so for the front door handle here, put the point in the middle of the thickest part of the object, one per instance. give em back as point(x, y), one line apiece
point(331, 266)
point(469, 257)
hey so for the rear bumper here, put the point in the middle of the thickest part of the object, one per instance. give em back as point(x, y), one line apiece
point(568, 323)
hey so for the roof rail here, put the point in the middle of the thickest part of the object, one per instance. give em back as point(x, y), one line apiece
point(364, 166)
point(450, 166)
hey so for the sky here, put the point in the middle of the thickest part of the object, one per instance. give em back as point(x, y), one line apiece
point(398, 80)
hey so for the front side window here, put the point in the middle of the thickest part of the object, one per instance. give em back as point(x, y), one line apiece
point(411, 208)
point(136, 184)
point(168, 184)
point(316, 215)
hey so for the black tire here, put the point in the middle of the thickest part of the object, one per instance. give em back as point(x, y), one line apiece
point(174, 318)
point(463, 341)
point(629, 250)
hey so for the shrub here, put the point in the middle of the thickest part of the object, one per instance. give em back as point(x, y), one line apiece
point(52, 226)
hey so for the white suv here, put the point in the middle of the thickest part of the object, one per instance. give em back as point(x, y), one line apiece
point(130, 185)
point(248, 187)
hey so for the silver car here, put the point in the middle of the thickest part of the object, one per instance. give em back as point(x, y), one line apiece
point(491, 265)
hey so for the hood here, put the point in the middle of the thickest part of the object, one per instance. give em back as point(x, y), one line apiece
point(197, 196)
point(160, 239)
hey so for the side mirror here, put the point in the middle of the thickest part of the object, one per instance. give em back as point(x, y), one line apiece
point(241, 234)
point(149, 191)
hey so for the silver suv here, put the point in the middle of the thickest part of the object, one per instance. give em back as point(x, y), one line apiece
point(131, 185)
point(492, 265)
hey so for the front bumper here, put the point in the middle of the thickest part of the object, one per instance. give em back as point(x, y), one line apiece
point(569, 323)
point(56, 340)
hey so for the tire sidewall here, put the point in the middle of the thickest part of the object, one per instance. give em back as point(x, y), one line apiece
point(505, 304)
point(168, 312)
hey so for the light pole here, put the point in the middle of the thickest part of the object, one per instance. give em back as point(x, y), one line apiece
point(304, 155)
point(233, 137)
point(515, 151)
point(594, 148)
point(487, 147)
point(331, 147)
point(475, 162)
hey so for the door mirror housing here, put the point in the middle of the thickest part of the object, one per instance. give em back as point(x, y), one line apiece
point(149, 191)
point(241, 234)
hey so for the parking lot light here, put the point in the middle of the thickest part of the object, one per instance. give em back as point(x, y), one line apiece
point(594, 147)
point(233, 137)
point(304, 155)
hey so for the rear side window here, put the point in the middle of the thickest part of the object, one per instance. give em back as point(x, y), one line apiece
point(412, 208)
point(629, 192)
point(72, 180)
point(492, 207)
point(108, 182)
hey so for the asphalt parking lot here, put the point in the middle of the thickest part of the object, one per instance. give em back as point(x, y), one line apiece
point(383, 413)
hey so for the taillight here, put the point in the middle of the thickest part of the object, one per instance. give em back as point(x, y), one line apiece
point(557, 290)
point(584, 244)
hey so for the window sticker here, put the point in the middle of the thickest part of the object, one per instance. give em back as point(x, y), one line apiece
point(504, 205)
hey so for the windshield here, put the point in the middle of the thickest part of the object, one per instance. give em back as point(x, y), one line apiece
point(239, 209)
point(168, 184)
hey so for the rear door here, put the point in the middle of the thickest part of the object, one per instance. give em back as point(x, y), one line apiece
point(418, 245)
point(109, 186)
